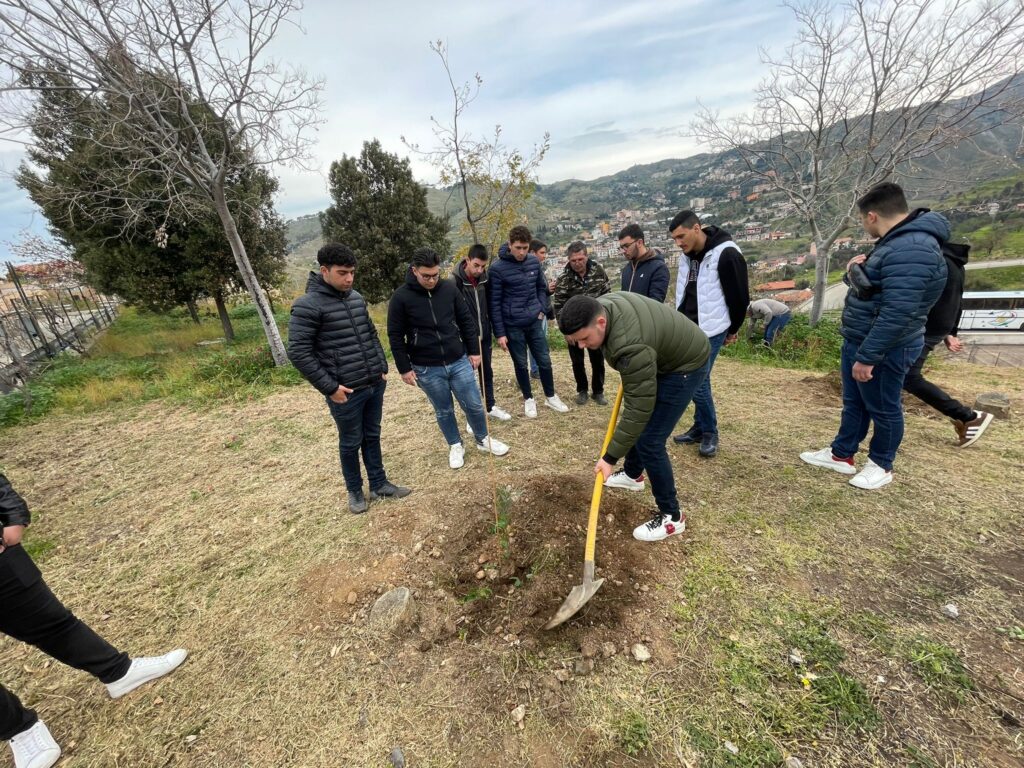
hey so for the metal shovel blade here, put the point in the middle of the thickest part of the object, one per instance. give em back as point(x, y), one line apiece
point(578, 597)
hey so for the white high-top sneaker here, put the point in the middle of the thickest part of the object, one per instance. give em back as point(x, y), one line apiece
point(35, 748)
point(145, 669)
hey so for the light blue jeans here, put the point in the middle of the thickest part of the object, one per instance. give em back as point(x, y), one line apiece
point(440, 382)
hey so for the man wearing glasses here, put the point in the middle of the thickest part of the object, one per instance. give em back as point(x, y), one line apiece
point(645, 272)
point(431, 329)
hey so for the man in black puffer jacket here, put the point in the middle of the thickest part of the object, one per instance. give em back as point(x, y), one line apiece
point(892, 290)
point(942, 326)
point(334, 344)
point(431, 329)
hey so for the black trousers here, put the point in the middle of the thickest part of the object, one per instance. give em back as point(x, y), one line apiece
point(487, 372)
point(579, 370)
point(916, 384)
point(30, 612)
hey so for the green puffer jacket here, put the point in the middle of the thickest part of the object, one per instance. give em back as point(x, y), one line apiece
point(644, 339)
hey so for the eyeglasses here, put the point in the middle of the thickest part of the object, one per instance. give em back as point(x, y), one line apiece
point(429, 278)
point(626, 246)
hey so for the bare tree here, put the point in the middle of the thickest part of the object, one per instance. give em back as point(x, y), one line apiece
point(494, 181)
point(186, 85)
point(868, 91)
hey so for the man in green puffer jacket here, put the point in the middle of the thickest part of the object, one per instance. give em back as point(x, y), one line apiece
point(662, 358)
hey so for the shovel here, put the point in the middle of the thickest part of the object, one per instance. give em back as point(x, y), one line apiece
point(580, 595)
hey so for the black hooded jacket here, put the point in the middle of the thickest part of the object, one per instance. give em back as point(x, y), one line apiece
point(13, 509)
point(429, 328)
point(944, 316)
point(332, 340)
point(476, 297)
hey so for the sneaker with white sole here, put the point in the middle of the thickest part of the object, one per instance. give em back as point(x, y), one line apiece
point(492, 445)
point(499, 413)
point(530, 407)
point(145, 669)
point(969, 431)
point(456, 456)
point(555, 404)
point(871, 477)
point(824, 458)
point(621, 480)
point(35, 748)
point(659, 527)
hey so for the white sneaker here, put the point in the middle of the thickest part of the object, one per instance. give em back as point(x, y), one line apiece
point(659, 527)
point(456, 456)
point(871, 477)
point(469, 429)
point(145, 669)
point(556, 405)
point(824, 458)
point(499, 414)
point(530, 406)
point(493, 445)
point(35, 748)
point(621, 480)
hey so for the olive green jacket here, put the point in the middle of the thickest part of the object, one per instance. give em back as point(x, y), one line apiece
point(644, 339)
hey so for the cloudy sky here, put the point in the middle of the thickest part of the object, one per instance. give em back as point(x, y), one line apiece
point(614, 83)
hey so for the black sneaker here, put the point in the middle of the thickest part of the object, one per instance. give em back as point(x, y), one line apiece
point(581, 398)
point(690, 436)
point(599, 398)
point(356, 502)
point(390, 491)
point(708, 445)
point(659, 527)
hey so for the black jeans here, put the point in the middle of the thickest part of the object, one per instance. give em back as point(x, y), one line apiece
point(358, 421)
point(916, 384)
point(579, 370)
point(487, 372)
point(30, 613)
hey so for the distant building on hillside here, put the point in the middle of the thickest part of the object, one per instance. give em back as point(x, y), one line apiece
point(777, 285)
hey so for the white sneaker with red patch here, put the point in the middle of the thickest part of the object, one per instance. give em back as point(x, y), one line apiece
point(659, 527)
point(824, 458)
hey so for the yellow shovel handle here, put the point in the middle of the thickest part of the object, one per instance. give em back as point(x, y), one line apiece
point(595, 501)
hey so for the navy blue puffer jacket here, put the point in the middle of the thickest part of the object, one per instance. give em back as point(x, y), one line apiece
point(518, 292)
point(908, 271)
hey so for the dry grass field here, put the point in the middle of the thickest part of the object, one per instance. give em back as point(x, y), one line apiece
point(223, 529)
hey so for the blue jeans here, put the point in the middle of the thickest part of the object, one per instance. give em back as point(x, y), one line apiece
point(704, 417)
point(358, 421)
point(675, 390)
point(440, 382)
point(775, 325)
point(875, 401)
point(534, 369)
point(532, 338)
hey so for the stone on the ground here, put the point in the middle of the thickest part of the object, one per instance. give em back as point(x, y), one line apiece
point(562, 675)
point(640, 652)
point(793, 762)
point(518, 715)
point(608, 650)
point(995, 403)
point(951, 610)
point(397, 758)
point(394, 610)
point(589, 649)
point(583, 667)
point(352, 597)
point(732, 748)
point(795, 657)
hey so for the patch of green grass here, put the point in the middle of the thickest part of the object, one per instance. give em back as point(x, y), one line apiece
point(633, 733)
point(919, 758)
point(798, 345)
point(754, 750)
point(476, 593)
point(940, 667)
point(996, 279)
point(144, 357)
point(38, 547)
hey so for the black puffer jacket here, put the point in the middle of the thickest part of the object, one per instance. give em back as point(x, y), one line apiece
point(13, 509)
point(475, 296)
point(428, 328)
point(332, 340)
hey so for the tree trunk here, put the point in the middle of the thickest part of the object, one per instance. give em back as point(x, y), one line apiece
point(820, 278)
point(225, 319)
point(193, 310)
point(277, 351)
